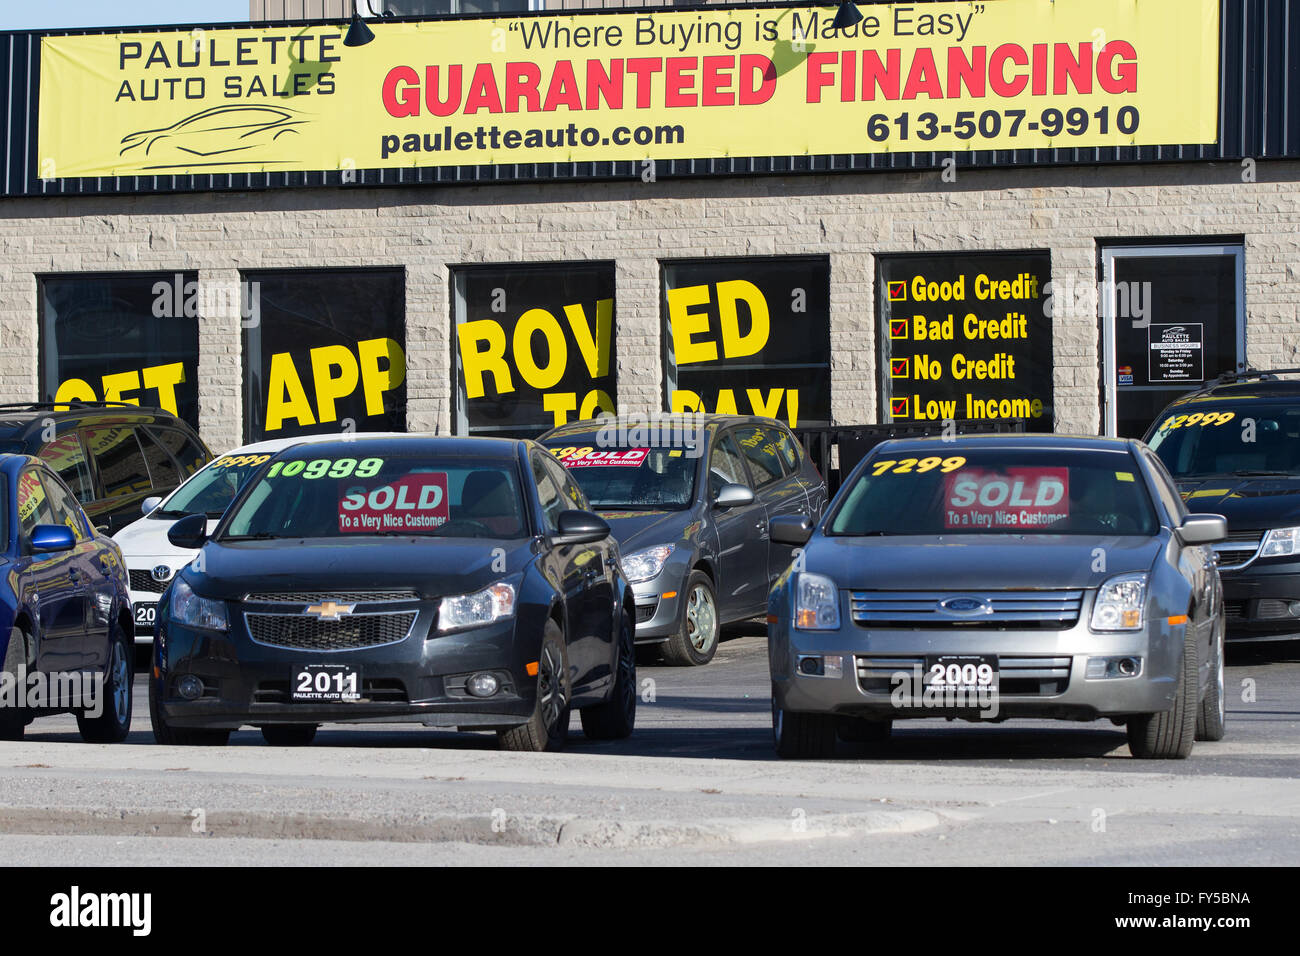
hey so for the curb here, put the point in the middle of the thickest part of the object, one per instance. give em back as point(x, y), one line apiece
point(480, 829)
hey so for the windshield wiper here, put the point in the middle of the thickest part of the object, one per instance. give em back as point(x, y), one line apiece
point(170, 514)
point(1261, 473)
point(259, 536)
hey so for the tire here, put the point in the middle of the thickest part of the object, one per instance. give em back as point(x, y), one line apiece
point(548, 728)
point(289, 735)
point(802, 735)
point(615, 718)
point(164, 733)
point(1212, 716)
point(114, 721)
point(1169, 735)
point(696, 639)
point(14, 720)
point(864, 730)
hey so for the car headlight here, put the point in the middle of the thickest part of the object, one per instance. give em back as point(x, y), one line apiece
point(190, 610)
point(494, 603)
point(1120, 604)
point(644, 565)
point(1280, 542)
point(816, 603)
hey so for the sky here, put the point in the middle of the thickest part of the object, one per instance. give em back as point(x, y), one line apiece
point(55, 14)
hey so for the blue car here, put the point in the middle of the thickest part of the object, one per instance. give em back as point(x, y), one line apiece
point(65, 610)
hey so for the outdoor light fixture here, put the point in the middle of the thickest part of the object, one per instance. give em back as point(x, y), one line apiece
point(358, 33)
point(845, 16)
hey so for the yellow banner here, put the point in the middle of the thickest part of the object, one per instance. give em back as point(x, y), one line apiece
point(942, 77)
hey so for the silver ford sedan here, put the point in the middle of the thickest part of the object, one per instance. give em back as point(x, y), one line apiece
point(996, 576)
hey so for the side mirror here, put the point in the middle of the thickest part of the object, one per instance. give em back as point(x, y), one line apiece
point(1203, 529)
point(792, 530)
point(47, 538)
point(579, 527)
point(153, 501)
point(732, 495)
point(189, 533)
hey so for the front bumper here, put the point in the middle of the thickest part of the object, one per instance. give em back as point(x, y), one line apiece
point(140, 566)
point(418, 679)
point(1258, 601)
point(1042, 673)
point(658, 617)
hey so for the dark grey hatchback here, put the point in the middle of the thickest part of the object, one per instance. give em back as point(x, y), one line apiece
point(689, 498)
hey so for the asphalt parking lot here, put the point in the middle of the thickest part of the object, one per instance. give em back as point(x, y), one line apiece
point(697, 782)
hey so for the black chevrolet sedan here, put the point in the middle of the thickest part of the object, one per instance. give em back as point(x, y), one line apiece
point(455, 582)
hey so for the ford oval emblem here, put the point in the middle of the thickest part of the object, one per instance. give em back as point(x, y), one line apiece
point(966, 606)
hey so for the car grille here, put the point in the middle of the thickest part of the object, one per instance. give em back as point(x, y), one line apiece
point(341, 597)
point(1011, 610)
point(1239, 550)
point(143, 581)
point(311, 633)
point(645, 611)
point(1234, 611)
point(1017, 676)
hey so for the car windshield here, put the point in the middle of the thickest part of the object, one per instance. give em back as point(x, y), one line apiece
point(324, 495)
point(996, 491)
point(632, 478)
point(1229, 439)
point(213, 487)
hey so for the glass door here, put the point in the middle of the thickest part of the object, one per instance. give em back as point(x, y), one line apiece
point(1173, 318)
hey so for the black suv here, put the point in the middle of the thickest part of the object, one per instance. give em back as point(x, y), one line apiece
point(1233, 448)
point(111, 454)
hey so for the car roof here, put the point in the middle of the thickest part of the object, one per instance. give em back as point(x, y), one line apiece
point(1011, 440)
point(279, 444)
point(402, 443)
point(658, 420)
point(21, 419)
point(1256, 390)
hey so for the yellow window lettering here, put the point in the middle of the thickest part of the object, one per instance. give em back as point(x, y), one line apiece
point(330, 387)
point(163, 379)
point(482, 351)
point(685, 325)
point(529, 324)
point(594, 351)
point(285, 396)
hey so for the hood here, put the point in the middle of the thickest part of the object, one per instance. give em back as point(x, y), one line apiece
point(1249, 504)
point(431, 568)
point(972, 562)
point(634, 530)
point(147, 537)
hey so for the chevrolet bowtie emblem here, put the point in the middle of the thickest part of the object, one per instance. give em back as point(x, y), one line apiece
point(329, 611)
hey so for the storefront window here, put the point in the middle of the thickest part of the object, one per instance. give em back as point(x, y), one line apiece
point(1173, 319)
point(131, 337)
point(534, 347)
point(966, 336)
point(324, 352)
point(749, 336)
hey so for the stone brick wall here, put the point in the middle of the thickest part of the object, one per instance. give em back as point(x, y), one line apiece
point(852, 218)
